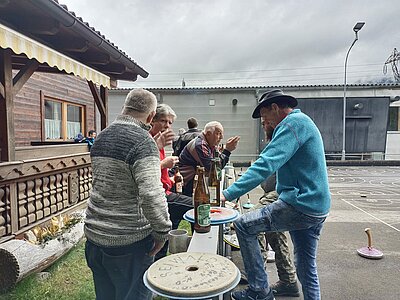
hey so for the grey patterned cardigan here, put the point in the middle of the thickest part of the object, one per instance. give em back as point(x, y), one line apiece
point(127, 201)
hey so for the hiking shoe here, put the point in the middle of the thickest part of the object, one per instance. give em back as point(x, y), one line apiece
point(281, 288)
point(249, 294)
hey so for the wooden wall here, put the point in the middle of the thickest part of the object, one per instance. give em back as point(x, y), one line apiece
point(27, 109)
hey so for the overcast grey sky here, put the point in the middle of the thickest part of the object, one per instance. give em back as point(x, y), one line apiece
point(246, 43)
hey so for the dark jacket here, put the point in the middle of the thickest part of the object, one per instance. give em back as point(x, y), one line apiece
point(184, 139)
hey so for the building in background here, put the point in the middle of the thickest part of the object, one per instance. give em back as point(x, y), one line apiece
point(372, 115)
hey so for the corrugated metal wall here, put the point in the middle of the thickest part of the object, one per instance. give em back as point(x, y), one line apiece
point(366, 122)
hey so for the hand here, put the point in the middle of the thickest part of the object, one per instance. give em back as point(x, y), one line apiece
point(231, 143)
point(156, 248)
point(222, 197)
point(164, 138)
point(169, 162)
point(232, 205)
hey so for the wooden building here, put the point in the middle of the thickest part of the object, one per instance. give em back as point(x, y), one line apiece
point(55, 73)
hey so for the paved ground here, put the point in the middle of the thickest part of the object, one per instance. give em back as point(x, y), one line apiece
point(361, 197)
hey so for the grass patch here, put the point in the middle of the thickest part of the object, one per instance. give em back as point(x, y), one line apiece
point(70, 279)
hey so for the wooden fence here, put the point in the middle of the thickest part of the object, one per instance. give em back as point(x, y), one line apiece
point(33, 191)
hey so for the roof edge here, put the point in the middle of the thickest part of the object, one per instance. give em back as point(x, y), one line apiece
point(377, 85)
point(69, 20)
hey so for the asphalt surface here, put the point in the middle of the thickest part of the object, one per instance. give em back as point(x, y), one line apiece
point(364, 196)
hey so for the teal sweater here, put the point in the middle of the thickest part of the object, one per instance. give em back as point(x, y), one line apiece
point(296, 153)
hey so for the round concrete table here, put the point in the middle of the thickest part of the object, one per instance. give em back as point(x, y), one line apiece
point(192, 276)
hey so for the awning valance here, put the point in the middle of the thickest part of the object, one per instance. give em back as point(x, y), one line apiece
point(20, 43)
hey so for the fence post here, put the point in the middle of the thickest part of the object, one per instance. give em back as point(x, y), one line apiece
point(14, 207)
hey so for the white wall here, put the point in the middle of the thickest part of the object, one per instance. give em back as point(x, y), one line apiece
point(237, 119)
point(393, 146)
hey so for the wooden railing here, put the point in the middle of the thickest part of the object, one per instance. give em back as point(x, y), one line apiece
point(33, 191)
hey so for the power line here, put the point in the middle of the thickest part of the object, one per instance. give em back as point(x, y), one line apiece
point(261, 70)
point(393, 60)
point(188, 79)
point(199, 83)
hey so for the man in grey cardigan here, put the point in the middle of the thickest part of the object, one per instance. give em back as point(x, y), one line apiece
point(127, 220)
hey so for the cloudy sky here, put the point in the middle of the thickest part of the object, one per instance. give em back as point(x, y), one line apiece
point(247, 43)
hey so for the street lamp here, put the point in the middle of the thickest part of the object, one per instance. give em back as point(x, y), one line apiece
point(356, 29)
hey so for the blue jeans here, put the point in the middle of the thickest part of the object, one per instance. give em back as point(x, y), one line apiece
point(304, 231)
point(118, 272)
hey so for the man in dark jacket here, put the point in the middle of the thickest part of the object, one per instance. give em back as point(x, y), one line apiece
point(187, 136)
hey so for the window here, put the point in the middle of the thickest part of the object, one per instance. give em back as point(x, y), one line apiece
point(393, 122)
point(52, 120)
point(62, 120)
point(74, 120)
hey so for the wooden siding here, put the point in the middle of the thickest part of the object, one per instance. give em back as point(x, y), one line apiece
point(27, 105)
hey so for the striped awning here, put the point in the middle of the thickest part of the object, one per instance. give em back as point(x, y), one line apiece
point(20, 43)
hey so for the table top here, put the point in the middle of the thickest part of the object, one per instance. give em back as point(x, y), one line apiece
point(218, 215)
point(192, 276)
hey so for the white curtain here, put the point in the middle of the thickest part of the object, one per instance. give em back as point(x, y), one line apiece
point(52, 129)
point(73, 128)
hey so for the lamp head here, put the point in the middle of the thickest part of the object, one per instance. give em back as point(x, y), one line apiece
point(358, 26)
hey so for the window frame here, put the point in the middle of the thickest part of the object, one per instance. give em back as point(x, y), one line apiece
point(398, 118)
point(64, 117)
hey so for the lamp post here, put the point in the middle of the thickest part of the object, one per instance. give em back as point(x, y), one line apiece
point(356, 29)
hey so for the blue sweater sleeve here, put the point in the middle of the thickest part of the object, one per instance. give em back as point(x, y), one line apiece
point(280, 149)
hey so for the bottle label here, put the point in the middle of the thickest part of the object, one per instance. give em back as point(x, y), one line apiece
point(203, 215)
point(219, 174)
point(213, 195)
point(178, 187)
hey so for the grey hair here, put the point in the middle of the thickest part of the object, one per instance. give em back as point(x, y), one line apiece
point(139, 101)
point(164, 110)
point(210, 126)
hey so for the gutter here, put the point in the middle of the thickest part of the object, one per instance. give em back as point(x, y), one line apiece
point(69, 21)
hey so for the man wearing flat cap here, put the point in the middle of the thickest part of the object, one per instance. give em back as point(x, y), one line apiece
point(296, 154)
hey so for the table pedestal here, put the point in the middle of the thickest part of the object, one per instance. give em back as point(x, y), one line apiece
point(192, 276)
